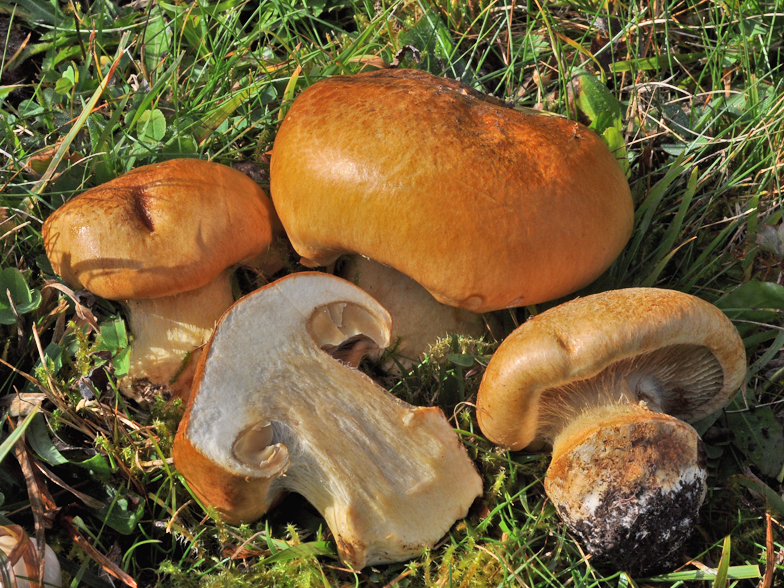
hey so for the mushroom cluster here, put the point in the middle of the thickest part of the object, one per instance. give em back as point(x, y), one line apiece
point(452, 204)
point(610, 381)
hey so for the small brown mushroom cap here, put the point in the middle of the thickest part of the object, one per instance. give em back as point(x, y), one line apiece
point(483, 205)
point(159, 230)
point(679, 354)
point(164, 239)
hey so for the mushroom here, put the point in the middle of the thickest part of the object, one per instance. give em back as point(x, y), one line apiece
point(418, 319)
point(163, 239)
point(389, 478)
point(608, 380)
point(22, 554)
point(483, 205)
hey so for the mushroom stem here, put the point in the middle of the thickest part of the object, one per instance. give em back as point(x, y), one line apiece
point(418, 319)
point(629, 482)
point(166, 329)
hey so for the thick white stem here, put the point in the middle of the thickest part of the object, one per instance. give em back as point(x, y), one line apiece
point(166, 330)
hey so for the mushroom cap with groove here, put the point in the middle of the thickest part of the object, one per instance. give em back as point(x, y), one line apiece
point(485, 206)
point(677, 353)
point(159, 230)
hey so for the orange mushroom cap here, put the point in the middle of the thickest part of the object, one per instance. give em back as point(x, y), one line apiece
point(485, 206)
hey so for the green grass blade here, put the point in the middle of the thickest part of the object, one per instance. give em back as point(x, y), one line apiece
point(17, 433)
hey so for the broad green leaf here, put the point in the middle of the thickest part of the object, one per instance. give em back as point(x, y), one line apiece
point(6, 90)
point(759, 436)
point(595, 101)
point(613, 138)
point(773, 502)
point(38, 438)
point(437, 50)
point(24, 300)
point(40, 441)
point(157, 35)
point(461, 359)
point(123, 513)
point(114, 336)
point(151, 126)
point(122, 362)
point(760, 302)
point(35, 11)
point(96, 465)
point(160, 83)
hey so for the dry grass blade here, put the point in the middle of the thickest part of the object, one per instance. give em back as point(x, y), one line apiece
point(770, 554)
point(106, 564)
point(41, 502)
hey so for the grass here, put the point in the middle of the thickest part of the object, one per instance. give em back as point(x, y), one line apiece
point(691, 88)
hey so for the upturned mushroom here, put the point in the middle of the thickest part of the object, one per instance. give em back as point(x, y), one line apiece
point(21, 553)
point(485, 206)
point(418, 319)
point(390, 479)
point(164, 239)
point(608, 381)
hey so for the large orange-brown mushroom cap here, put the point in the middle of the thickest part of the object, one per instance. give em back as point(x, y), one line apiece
point(159, 230)
point(483, 205)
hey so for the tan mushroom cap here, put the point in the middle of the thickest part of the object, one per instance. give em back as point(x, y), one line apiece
point(485, 206)
point(678, 353)
point(159, 230)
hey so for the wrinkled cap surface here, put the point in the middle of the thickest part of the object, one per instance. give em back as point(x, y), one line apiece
point(677, 353)
point(485, 206)
point(159, 230)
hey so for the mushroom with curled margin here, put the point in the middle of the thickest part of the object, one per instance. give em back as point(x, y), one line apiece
point(164, 239)
point(485, 206)
point(608, 381)
point(389, 478)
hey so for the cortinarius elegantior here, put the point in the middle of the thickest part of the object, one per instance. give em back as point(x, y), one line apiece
point(164, 239)
point(389, 479)
point(483, 205)
point(598, 378)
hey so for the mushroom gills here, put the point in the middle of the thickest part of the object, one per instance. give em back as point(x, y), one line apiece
point(673, 380)
point(255, 448)
point(345, 331)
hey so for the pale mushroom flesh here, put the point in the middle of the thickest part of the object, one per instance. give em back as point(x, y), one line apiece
point(389, 478)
